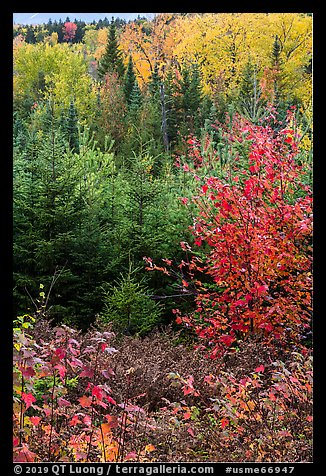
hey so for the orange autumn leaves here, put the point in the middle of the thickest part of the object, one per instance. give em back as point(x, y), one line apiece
point(221, 45)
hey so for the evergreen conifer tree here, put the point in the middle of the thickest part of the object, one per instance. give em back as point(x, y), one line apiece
point(130, 80)
point(156, 108)
point(154, 84)
point(19, 132)
point(135, 99)
point(195, 97)
point(276, 53)
point(190, 99)
point(112, 60)
point(250, 102)
point(171, 103)
point(279, 101)
point(72, 128)
point(60, 31)
point(276, 64)
point(30, 35)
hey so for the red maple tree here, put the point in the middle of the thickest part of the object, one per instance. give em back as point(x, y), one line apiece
point(69, 29)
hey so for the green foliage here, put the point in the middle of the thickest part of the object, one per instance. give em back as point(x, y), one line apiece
point(250, 102)
point(191, 97)
point(135, 99)
point(154, 83)
point(94, 173)
point(72, 128)
point(276, 53)
point(58, 198)
point(112, 60)
point(128, 305)
point(42, 72)
point(129, 81)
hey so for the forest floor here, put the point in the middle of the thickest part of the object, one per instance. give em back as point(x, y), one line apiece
point(259, 410)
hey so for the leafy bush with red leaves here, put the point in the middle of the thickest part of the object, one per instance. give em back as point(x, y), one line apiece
point(264, 416)
point(252, 241)
point(60, 425)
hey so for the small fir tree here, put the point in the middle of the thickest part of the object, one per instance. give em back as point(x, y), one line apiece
point(250, 101)
point(130, 80)
point(154, 84)
point(72, 128)
point(128, 305)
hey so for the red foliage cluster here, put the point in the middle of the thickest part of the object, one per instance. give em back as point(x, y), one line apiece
point(254, 226)
point(69, 30)
point(51, 422)
point(262, 416)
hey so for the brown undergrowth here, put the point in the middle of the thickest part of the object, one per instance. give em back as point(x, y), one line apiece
point(167, 401)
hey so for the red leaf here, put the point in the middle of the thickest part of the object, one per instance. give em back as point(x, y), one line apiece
point(25, 455)
point(226, 205)
point(97, 392)
point(47, 411)
point(87, 420)
point(60, 353)
point(187, 390)
point(35, 420)
point(110, 400)
point(62, 402)
point(187, 415)
point(112, 421)
point(262, 289)
point(28, 372)
point(272, 396)
point(261, 368)
point(62, 370)
point(85, 401)
point(239, 303)
point(28, 398)
point(74, 421)
point(267, 326)
point(224, 422)
point(191, 432)
point(87, 372)
point(204, 188)
point(131, 455)
point(227, 340)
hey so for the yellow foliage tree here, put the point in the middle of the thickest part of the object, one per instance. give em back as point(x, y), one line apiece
point(90, 39)
point(222, 42)
point(102, 39)
point(147, 43)
point(65, 75)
